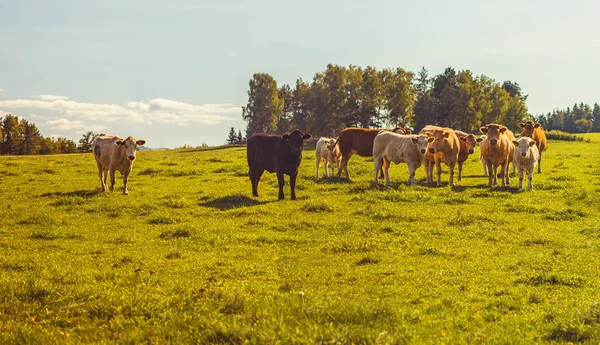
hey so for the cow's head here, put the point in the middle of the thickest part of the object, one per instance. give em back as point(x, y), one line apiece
point(439, 136)
point(481, 139)
point(296, 140)
point(523, 145)
point(470, 142)
point(332, 145)
point(422, 140)
point(528, 128)
point(493, 133)
point(130, 145)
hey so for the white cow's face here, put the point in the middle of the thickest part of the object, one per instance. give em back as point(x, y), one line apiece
point(130, 145)
point(422, 141)
point(523, 145)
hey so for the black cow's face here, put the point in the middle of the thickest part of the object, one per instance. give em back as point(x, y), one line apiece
point(296, 140)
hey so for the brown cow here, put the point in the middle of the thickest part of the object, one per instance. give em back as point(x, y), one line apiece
point(359, 141)
point(444, 148)
point(497, 150)
point(274, 153)
point(113, 153)
point(536, 132)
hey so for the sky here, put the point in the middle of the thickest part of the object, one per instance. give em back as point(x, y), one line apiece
point(177, 72)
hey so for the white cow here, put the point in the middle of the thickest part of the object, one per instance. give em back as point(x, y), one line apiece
point(113, 153)
point(329, 153)
point(480, 140)
point(525, 159)
point(391, 147)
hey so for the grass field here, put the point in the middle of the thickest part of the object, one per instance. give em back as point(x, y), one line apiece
point(190, 257)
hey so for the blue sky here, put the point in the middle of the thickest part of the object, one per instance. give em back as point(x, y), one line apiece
point(177, 72)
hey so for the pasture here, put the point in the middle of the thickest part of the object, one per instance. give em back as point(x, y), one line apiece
point(190, 257)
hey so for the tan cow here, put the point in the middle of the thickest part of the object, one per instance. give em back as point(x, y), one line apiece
point(536, 132)
point(467, 147)
point(497, 151)
point(113, 153)
point(328, 156)
point(444, 148)
point(525, 159)
point(392, 147)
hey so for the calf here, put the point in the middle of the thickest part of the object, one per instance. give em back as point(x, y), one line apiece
point(525, 158)
point(391, 147)
point(274, 153)
point(444, 148)
point(497, 151)
point(113, 153)
point(467, 147)
point(359, 141)
point(327, 152)
point(481, 159)
point(536, 132)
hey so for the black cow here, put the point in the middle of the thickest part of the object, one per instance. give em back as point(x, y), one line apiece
point(274, 153)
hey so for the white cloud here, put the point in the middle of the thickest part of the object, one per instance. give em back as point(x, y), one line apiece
point(50, 98)
point(63, 124)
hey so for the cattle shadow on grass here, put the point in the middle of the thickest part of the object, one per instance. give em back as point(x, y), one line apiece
point(329, 180)
point(79, 193)
point(232, 201)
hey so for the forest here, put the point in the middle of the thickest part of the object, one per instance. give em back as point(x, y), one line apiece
point(352, 96)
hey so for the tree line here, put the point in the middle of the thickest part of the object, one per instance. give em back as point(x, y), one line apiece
point(22, 137)
point(581, 118)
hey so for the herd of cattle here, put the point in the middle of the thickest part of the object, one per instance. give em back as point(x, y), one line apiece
point(432, 146)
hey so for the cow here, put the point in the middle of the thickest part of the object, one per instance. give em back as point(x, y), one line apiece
point(274, 153)
point(497, 151)
point(525, 158)
point(392, 147)
point(359, 141)
point(536, 132)
point(444, 148)
point(467, 147)
point(328, 156)
point(114, 153)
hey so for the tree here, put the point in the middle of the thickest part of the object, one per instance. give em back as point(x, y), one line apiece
point(240, 138)
point(284, 119)
point(11, 135)
point(47, 146)
point(232, 138)
point(264, 105)
point(400, 96)
point(64, 145)
point(31, 138)
point(85, 143)
point(371, 100)
point(596, 118)
point(302, 106)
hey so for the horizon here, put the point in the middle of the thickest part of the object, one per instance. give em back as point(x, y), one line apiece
point(177, 74)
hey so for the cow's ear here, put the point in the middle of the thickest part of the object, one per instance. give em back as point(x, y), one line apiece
point(483, 130)
point(522, 124)
point(446, 134)
point(414, 140)
point(408, 131)
point(140, 142)
point(428, 134)
point(503, 129)
point(119, 142)
point(430, 139)
point(462, 138)
point(531, 143)
point(479, 140)
point(286, 136)
point(307, 136)
point(515, 142)
point(537, 125)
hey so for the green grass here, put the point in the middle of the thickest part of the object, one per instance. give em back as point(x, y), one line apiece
point(190, 257)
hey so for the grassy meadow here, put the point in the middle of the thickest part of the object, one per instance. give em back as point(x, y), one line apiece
point(190, 257)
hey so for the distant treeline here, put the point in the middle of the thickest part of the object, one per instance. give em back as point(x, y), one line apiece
point(351, 96)
point(21, 137)
point(580, 119)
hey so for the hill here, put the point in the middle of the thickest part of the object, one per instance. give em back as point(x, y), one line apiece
point(189, 256)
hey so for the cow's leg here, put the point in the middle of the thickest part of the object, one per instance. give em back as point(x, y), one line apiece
point(521, 173)
point(460, 166)
point(293, 184)
point(485, 167)
point(343, 165)
point(530, 178)
point(438, 168)
point(100, 173)
point(254, 178)
point(452, 165)
point(492, 174)
point(378, 164)
point(507, 176)
point(125, 179)
point(386, 171)
point(411, 175)
point(281, 181)
point(540, 164)
point(112, 178)
point(317, 168)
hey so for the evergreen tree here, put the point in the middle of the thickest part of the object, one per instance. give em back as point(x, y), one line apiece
point(240, 138)
point(232, 138)
point(11, 135)
point(596, 118)
point(31, 138)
